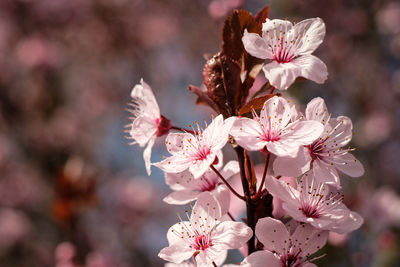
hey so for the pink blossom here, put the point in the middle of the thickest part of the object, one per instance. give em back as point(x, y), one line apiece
point(326, 153)
point(196, 152)
point(188, 189)
point(313, 202)
point(204, 237)
point(289, 48)
point(147, 122)
point(283, 249)
point(274, 130)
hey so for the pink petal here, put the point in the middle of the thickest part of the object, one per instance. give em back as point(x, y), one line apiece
point(147, 154)
point(223, 196)
point(349, 165)
point(247, 132)
point(143, 129)
point(175, 142)
point(293, 167)
point(312, 68)
point(231, 168)
point(231, 235)
point(206, 206)
point(199, 167)
point(256, 46)
point(273, 234)
point(176, 253)
point(272, 28)
point(281, 76)
point(181, 197)
point(277, 112)
point(313, 32)
point(283, 148)
point(302, 132)
point(261, 259)
point(311, 239)
point(282, 190)
point(325, 173)
point(173, 164)
point(343, 131)
point(179, 181)
point(316, 110)
point(143, 92)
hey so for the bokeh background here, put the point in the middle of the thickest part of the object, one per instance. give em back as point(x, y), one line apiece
point(73, 193)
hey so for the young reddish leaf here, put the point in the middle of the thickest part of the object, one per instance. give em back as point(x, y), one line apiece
point(222, 79)
point(262, 15)
point(254, 104)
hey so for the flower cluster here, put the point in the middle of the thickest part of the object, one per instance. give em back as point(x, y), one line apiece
point(310, 147)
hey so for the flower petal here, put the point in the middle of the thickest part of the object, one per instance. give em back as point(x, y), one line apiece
point(312, 32)
point(231, 235)
point(173, 164)
point(293, 167)
point(325, 173)
point(350, 165)
point(176, 253)
point(143, 128)
point(282, 190)
point(316, 110)
point(256, 46)
point(231, 168)
point(181, 197)
point(147, 154)
point(261, 259)
point(247, 132)
point(311, 239)
point(302, 132)
point(312, 68)
point(273, 234)
point(143, 92)
point(281, 75)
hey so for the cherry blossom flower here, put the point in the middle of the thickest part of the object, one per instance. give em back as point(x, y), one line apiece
point(313, 202)
point(326, 153)
point(274, 131)
point(196, 152)
point(188, 189)
point(283, 249)
point(147, 122)
point(289, 48)
point(204, 237)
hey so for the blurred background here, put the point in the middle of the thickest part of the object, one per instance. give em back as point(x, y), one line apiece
point(73, 193)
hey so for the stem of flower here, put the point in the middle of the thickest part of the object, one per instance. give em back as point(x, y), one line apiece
point(227, 184)
point(182, 129)
point(272, 90)
point(264, 174)
point(250, 206)
point(213, 263)
point(230, 216)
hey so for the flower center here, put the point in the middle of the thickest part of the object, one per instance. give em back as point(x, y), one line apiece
point(284, 53)
point(163, 126)
point(202, 153)
point(202, 242)
point(310, 211)
point(208, 184)
point(317, 148)
point(291, 260)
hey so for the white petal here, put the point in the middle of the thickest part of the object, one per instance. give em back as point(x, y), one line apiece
point(231, 168)
point(147, 154)
point(350, 165)
point(261, 259)
point(281, 76)
point(199, 167)
point(247, 132)
point(273, 234)
point(313, 32)
point(274, 27)
point(302, 132)
point(173, 164)
point(316, 110)
point(293, 167)
point(206, 206)
point(143, 92)
point(342, 131)
point(181, 197)
point(180, 181)
point(311, 239)
point(283, 148)
point(222, 194)
point(276, 112)
point(312, 68)
point(143, 128)
point(175, 142)
point(176, 253)
point(282, 190)
point(231, 235)
point(325, 173)
point(256, 46)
